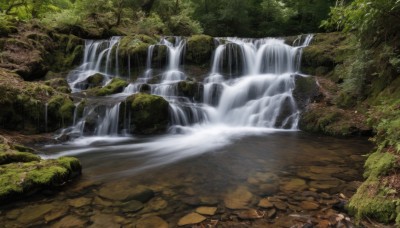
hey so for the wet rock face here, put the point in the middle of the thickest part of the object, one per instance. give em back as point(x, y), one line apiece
point(306, 91)
point(23, 105)
point(190, 89)
point(149, 113)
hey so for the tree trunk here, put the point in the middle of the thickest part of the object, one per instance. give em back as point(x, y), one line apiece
point(147, 6)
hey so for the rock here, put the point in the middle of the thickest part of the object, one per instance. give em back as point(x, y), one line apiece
point(104, 220)
point(79, 202)
point(280, 205)
point(59, 84)
point(238, 199)
point(13, 214)
point(306, 89)
point(190, 89)
point(149, 113)
point(123, 191)
point(70, 221)
point(269, 189)
point(11, 156)
point(264, 203)
point(157, 204)
point(116, 85)
point(271, 213)
point(206, 210)
point(309, 205)
point(19, 179)
point(293, 185)
point(324, 224)
point(60, 111)
point(199, 49)
point(56, 213)
point(101, 202)
point(31, 214)
point(151, 222)
point(132, 206)
point(250, 214)
point(191, 219)
point(325, 185)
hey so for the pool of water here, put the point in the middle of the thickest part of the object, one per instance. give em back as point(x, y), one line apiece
point(269, 179)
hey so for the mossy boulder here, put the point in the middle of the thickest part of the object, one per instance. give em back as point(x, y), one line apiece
point(59, 84)
point(93, 81)
point(116, 85)
point(191, 89)
point(199, 49)
point(60, 111)
point(25, 178)
point(149, 113)
point(326, 51)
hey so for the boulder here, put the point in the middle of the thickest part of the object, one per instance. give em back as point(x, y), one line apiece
point(116, 85)
point(199, 49)
point(149, 113)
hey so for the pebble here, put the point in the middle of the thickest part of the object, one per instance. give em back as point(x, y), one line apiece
point(265, 203)
point(151, 222)
point(250, 214)
point(238, 199)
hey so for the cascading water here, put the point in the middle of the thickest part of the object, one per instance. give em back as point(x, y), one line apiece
point(248, 91)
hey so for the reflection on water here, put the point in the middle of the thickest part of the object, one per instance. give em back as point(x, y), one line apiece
point(265, 180)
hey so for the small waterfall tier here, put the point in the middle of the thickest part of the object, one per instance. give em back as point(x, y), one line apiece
point(250, 83)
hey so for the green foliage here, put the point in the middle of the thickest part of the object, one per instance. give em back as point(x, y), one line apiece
point(374, 21)
point(151, 25)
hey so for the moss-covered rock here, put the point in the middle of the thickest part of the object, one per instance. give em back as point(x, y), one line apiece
point(21, 179)
point(199, 49)
point(60, 111)
point(326, 51)
point(93, 81)
point(16, 156)
point(149, 113)
point(116, 85)
point(370, 201)
point(59, 84)
point(191, 89)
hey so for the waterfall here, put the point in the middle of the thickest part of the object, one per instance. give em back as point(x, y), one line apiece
point(250, 84)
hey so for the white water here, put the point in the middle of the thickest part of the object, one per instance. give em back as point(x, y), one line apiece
point(247, 92)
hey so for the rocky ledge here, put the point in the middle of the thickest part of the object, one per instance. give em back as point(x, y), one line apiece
point(23, 173)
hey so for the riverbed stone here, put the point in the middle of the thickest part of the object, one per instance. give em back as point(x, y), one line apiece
point(271, 213)
point(70, 221)
point(79, 202)
point(326, 184)
point(250, 214)
point(104, 220)
point(132, 206)
point(56, 213)
point(13, 214)
point(151, 222)
point(238, 199)
point(157, 204)
point(123, 191)
point(206, 210)
point(269, 189)
point(191, 219)
point(309, 205)
point(34, 213)
point(265, 203)
point(280, 205)
point(296, 184)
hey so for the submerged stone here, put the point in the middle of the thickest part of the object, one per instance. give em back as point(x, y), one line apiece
point(191, 219)
point(238, 199)
point(151, 222)
point(70, 221)
point(265, 203)
point(123, 191)
point(31, 214)
point(250, 214)
point(206, 210)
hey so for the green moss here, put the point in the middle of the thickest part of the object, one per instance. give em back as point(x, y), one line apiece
point(379, 164)
point(190, 89)
point(23, 178)
point(116, 85)
point(149, 113)
point(367, 202)
point(199, 49)
point(16, 156)
point(61, 109)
